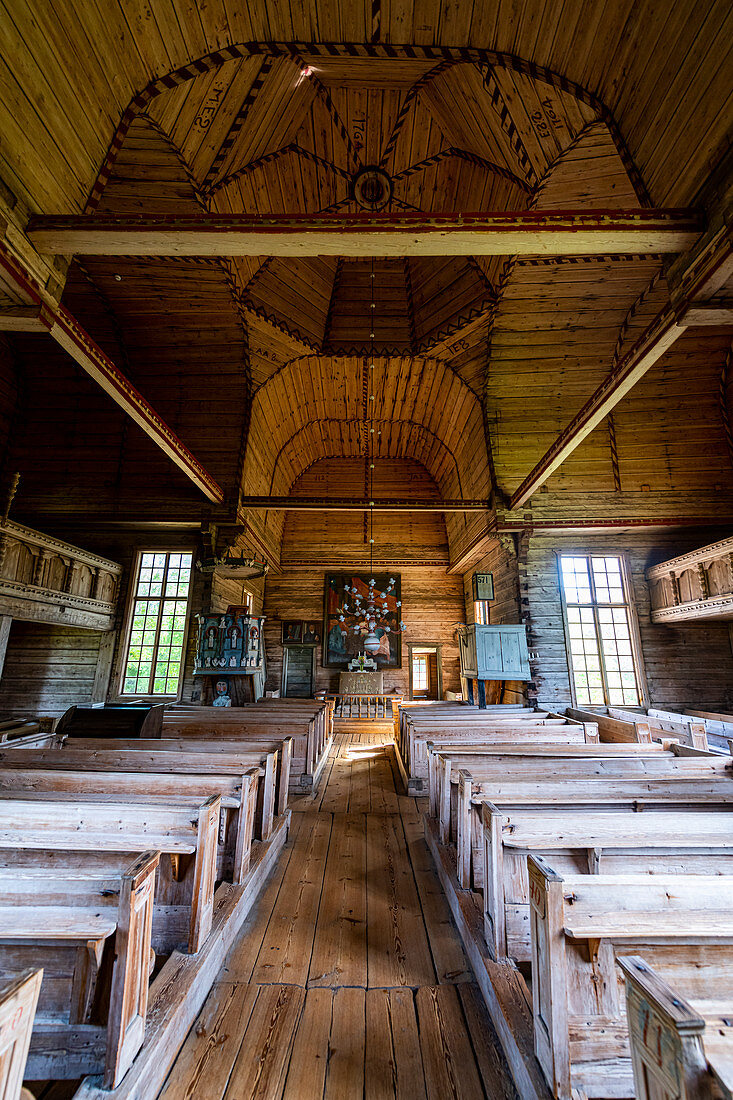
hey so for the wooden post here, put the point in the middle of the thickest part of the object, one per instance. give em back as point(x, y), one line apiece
point(481, 695)
point(103, 672)
point(5, 624)
point(469, 685)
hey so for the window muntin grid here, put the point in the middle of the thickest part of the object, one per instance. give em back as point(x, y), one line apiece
point(600, 642)
point(419, 674)
point(154, 658)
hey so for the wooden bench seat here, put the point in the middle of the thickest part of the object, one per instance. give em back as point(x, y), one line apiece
point(413, 755)
point(309, 723)
point(174, 755)
point(82, 824)
point(588, 841)
point(579, 924)
point(591, 786)
point(96, 957)
point(242, 817)
point(680, 1049)
point(18, 1000)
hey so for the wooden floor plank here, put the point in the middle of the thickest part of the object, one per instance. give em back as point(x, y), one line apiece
point(309, 1060)
point(340, 946)
point(241, 960)
point(406, 1045)
point(398, 953)
point(380, 1070)
point(349, 980)
point(286, 950)
point(449, 958)
point(494, 1074)
point(451, 1072)
point(261, 1065)
point(345, 1080)
point(211, 1048)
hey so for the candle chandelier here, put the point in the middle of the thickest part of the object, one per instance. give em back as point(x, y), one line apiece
point(366, 610)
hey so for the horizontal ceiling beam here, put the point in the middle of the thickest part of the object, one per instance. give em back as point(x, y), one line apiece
point(69, 334)
point(359, 504)
point(705, 314)
point(535, 233)
point(655, 340)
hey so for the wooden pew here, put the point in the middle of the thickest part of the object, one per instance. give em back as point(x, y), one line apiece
point(307, 731)
point(238, 795)
point(18, 1000)
point(97, 959)
point(444, 759)
point(591, 840)
point(572, 786)
point(579, 923)
point(413, 759)
point(183, 757)
point(688, 730)
point(635, 728)
point(51, 823)
point(679, 1050)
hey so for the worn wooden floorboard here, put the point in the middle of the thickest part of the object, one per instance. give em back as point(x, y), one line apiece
point(348, 980)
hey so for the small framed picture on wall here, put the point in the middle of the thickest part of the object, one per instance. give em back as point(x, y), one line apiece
point(311, 633)
point(292, 632)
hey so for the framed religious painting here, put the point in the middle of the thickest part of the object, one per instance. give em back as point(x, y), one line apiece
point(292, 632)
point(311, 632)
point(362, 614)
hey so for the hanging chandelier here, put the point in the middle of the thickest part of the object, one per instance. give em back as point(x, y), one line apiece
point(366, 610)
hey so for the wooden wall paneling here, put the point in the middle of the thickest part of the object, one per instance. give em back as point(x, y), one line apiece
point(47, 669)
point(432, 605)
point(685, 665)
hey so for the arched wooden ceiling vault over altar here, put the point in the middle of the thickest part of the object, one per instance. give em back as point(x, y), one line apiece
point(481, 361)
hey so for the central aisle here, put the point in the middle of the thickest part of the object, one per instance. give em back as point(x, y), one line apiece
point(348, 981)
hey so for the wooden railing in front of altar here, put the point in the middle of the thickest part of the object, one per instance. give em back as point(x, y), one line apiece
point(365, 708)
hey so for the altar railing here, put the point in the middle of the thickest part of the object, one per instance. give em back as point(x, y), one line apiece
point(365, 708)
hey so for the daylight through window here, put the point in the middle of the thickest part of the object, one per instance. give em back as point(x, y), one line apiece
point(420, 673)
point(157, 630)
point(600, 640)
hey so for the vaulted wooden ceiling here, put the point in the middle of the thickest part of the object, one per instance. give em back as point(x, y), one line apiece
point(480, 361)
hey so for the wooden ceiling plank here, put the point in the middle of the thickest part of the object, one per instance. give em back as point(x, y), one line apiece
point(656, 339)
point(68, 333)
point(545, 233)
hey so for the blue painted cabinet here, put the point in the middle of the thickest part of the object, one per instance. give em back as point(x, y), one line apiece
point(495, 653)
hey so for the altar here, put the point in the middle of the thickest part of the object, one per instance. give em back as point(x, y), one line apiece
point(361, 683)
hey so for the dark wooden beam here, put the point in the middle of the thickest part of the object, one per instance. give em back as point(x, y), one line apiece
point(657, 338)
point(25, 319)
point(69, 334)
point(359, 504)
point(534, 232)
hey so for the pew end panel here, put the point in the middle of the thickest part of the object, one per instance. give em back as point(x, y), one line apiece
point(666, 1037)
point(18, 1000)
point(129, 993)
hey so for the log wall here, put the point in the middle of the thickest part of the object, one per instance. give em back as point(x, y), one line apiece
point(432, 605)
point(47, 669)
point(687, 664)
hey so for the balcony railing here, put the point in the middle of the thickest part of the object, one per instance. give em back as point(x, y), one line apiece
point(49, 580)
point(698, 585)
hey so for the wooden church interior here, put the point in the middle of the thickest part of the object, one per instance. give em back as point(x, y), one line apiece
point(366, 550)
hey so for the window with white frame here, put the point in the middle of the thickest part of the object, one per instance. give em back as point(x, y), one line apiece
point(157, 629)
point(600, 638)
point(420, 672)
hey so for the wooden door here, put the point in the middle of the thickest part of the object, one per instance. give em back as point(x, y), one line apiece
point(298, 671)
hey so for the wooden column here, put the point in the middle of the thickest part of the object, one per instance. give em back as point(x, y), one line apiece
point(5, 624)
point(100, 687)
